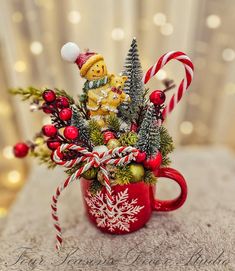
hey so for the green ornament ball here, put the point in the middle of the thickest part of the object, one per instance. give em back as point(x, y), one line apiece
point(90, 174)
point(113, 143)
point(137, 171)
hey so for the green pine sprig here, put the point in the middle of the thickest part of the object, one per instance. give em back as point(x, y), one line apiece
point(29, 93)
point(35, 94)
point(113, 123)
point(123, 175)
point(44, 156)
point(166, 145)
point(96, 135)
point(149, 177)
point(128, 139)
point(95, 187)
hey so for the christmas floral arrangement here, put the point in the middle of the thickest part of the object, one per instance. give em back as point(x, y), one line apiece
point(111, 138)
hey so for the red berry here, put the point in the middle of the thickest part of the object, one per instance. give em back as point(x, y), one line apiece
point(49, 96)
point(153, 162)
point(157, 97)
point(49, 130)
point(53, 144)
point(20, 150)
point(134, 127)
point(71, 132)
point(65, 114)
point(141, 156)
point(47, 108)
point(62, 102)
point(107, 136)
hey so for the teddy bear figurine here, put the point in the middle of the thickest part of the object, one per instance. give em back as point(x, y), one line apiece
point(115, 95)
point(104, 91)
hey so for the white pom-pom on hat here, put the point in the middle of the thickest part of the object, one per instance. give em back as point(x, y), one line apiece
point(70, 52)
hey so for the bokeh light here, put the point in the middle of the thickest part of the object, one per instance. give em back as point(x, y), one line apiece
point(167, 29)
point(186, 127)
point(8, 152)
point(161, 75)
point(36, 47)
point(117, 34)
point(159, 19)
point(74, 17)
point(213, 21)
point(228, 54)
point(20, 66)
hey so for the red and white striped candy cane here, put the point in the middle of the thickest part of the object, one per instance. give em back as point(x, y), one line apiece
point(118, 156)
point(185, 83)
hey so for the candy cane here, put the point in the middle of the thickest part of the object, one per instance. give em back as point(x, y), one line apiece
point(118, 156)
point(185, 83)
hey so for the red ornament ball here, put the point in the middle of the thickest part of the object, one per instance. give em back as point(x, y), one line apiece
point(49, 130)
point(49, 96)
point(71, 132)
point(153, 162)
point(20, 150)
point(62, 102)
point(53, 144)
point(157, 97)
point(107, 136)
point(48, 108)
point(141, 156)
point(65, 114)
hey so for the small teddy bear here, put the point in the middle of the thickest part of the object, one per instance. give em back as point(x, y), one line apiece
point(115, 95)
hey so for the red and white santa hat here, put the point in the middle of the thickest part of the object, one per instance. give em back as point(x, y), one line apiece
point(71, 53)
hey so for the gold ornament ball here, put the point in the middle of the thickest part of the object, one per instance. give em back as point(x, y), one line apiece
point(137, 171)
point(113, 143)
point(90, 174)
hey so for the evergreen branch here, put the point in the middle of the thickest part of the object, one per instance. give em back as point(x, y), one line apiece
point(166, 145)
point(44, 156)
point(35, 94)
point(123, 175)
point(96, 135)
point(27, 93)
point(113, 123)
point(149, 177)
point(95, 187)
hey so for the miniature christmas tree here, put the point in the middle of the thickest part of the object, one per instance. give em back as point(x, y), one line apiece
point(134, 86)
point(78, 121)
point(149, 134)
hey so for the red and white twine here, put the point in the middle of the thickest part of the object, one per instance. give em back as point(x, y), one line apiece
point(185, 83)
point(118, 156)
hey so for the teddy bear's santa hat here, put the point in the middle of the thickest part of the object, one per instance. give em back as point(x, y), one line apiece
point(71, 53)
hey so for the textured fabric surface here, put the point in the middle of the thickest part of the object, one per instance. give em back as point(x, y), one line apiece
point(199, 236)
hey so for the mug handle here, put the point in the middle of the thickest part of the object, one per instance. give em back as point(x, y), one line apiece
point(170, 205)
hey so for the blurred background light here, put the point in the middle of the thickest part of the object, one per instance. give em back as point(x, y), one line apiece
point(213, 21)
point(5, 109)
point(20, 66)
point(8, 152)
point(186, 127)
point(74, 17)
point(161, 75)
point(3, 212)
point(228, 54)
point(117, 34)
point(14, 176)
point(36, 47)
point(167, 29)
point(159, 19)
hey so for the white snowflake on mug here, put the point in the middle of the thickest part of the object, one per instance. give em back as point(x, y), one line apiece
point(124, 210)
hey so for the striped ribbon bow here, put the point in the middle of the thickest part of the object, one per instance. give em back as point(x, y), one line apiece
point(118, 157)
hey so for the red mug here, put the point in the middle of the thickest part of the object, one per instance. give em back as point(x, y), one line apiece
point(132, 203)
